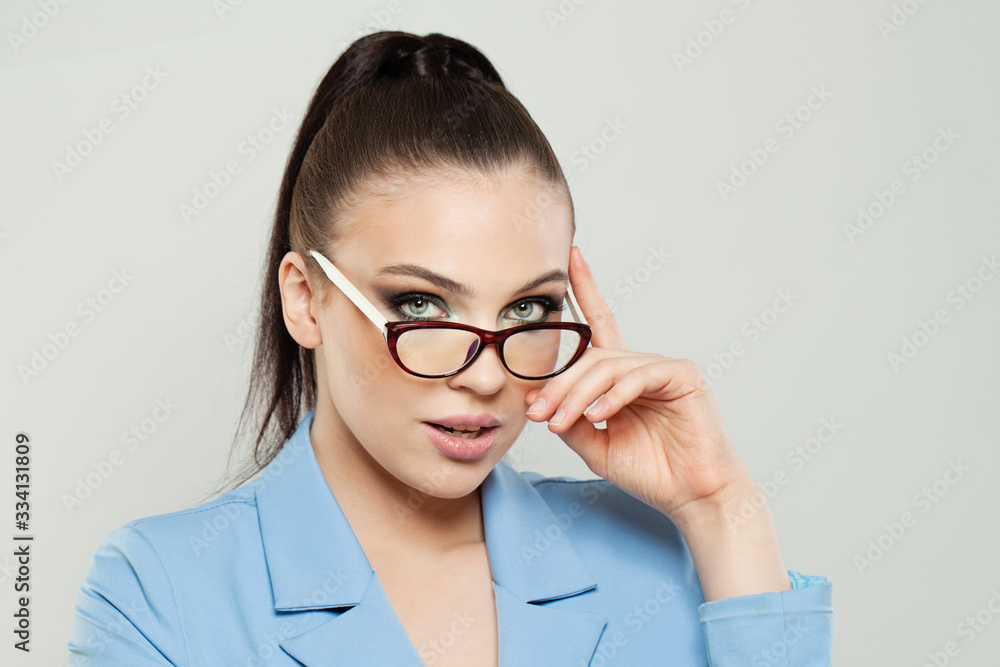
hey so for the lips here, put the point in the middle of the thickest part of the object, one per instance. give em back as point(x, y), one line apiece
point(463, 431)
point(469, 446)
point(466, 420)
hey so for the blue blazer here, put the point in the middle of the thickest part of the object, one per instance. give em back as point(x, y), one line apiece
point(271, 573)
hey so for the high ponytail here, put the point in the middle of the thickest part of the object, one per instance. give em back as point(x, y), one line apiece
point(392, 102)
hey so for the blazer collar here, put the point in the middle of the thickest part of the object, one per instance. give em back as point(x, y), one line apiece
point(316, 562)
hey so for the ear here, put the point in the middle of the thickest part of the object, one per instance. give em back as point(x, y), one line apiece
point(297, 305)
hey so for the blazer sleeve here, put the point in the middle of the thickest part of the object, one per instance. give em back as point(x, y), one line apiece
point(792, 628)
point(125, 614)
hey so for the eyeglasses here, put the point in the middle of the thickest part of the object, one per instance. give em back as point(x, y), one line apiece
point(435, 349)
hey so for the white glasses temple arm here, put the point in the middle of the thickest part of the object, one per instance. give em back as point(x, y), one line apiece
point(341, 281)
point(571, 302)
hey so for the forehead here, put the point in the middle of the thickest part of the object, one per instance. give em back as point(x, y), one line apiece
point(492, 233)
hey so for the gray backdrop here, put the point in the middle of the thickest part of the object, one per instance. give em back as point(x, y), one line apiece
point(818, 181)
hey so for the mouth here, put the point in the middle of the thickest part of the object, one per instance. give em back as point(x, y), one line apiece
point(462, 442)
point(466, 432)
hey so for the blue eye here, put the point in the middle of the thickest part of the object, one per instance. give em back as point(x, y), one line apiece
point(419, 307)
point(422, 302)
point(546, 306)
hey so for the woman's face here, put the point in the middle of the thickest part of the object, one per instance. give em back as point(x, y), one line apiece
point(491, 236)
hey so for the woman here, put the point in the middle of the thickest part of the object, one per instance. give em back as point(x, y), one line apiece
point(385, 529)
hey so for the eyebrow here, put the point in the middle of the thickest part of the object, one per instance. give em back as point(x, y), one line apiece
point(455, 287)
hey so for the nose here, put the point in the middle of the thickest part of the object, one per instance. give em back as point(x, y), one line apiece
point(486, 375)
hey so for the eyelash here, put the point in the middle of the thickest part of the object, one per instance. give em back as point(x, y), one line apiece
point(550, 304)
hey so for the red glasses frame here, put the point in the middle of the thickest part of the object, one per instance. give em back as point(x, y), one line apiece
point(395, 329)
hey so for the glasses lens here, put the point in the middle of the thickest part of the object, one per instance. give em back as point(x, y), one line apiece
point(435, 351)
point(540, 352)
point(531, 353)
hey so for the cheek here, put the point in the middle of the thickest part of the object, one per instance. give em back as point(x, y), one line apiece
point(366, 380)
point(358, 355)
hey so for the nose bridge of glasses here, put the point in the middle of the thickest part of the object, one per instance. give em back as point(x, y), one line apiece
point(496, 341)
point(489, 340)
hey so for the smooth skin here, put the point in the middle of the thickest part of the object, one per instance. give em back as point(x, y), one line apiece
point(417, 512)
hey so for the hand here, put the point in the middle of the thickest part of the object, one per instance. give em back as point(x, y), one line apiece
point(665, 443)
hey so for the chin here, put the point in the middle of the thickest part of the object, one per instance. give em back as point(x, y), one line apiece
point(448, 478)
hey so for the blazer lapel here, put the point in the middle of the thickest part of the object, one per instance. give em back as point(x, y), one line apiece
point(370, 633)
point(533, 562)
point(315, 562)
point(530, 634)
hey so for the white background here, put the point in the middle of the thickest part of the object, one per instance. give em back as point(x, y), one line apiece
point(170, 333)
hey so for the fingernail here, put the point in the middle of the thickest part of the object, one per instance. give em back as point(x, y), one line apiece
point(538, 405)
point(558, 417)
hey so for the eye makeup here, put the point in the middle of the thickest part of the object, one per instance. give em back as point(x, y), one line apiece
point(398, 302)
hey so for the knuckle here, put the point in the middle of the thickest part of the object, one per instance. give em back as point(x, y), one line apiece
point(692, 370)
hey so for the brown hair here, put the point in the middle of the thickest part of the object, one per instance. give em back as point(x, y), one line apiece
point(393, 103)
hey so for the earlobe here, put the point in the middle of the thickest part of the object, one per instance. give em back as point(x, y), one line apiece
point(297, 302)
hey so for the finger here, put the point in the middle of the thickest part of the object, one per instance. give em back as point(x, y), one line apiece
point(616, 382)
point(595, 308)
point(590, 443)
point(571, 395)
point(555, 388)
point(631, 386)
point(667, 380)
